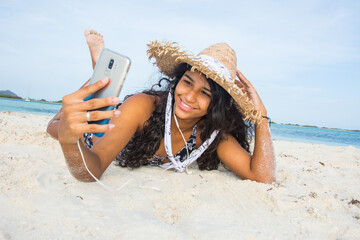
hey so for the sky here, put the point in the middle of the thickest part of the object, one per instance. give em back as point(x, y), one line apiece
point(303, 57)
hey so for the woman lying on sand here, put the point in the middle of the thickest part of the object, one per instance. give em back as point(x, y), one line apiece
point(203, 114)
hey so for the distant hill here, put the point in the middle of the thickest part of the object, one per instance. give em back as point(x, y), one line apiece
point(8, 92)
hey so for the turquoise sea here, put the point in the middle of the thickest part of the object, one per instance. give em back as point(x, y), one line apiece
point(315, 135)
point(280, 132)
point(40, 108)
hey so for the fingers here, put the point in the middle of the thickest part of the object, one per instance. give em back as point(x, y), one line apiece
point(97, 103)
point(84, 92)
point(88, 90)
point(91, 128)
point(243, 79)
point(76, 99)
point(240, 75)
point(77, 123)
point(239, 84)
point(99, 115)
point(96, 128)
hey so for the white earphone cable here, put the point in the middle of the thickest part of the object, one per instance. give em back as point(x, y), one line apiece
point(97, 180)
point(124, 184)
point(182, 135)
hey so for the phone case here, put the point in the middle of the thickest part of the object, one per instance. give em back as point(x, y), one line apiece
point(114, 66)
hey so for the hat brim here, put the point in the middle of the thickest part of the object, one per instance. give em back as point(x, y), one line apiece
point(169, 55)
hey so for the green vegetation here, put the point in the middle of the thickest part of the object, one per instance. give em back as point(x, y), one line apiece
point(9, 96)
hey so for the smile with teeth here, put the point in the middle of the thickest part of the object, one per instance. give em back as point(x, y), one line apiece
point(184, 106)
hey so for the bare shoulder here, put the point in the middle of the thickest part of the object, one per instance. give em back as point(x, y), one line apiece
point(138, 108)
point(141, 99)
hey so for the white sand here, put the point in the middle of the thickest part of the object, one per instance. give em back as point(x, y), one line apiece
point(41, 200)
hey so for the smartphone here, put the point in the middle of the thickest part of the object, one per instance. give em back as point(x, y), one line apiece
point(114, 66)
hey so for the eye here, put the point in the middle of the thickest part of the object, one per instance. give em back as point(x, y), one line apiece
point(187, 82)
point(206, 94)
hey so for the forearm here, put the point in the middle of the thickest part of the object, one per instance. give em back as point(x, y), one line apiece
point(75, 162)
point(263, 158)
point(74, 123)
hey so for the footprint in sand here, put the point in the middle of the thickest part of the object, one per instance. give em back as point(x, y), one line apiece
point(51, 181)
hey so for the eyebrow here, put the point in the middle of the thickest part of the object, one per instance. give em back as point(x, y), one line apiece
point(193, 81)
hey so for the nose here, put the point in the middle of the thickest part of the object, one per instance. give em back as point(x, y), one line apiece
point(190, 96)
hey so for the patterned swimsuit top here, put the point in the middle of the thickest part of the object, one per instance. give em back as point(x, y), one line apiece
point(181, 155)
point(157, 160)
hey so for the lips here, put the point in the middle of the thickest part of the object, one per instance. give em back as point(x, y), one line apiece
point(183, 106)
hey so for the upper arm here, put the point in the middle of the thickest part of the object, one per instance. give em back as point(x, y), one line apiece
point(134, 112)
point(235, 157)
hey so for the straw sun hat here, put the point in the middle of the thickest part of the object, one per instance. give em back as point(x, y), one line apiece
point(217, 62)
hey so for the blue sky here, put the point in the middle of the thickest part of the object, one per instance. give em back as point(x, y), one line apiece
point(303, 57)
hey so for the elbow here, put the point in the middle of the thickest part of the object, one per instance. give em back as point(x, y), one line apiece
point(269, 180)
point(48, 130)
point(83, 177)
point(82, 174)
point(266, 179)
point(88, 179)
point(51, 130)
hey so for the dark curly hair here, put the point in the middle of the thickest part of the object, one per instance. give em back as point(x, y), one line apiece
point(223, 115)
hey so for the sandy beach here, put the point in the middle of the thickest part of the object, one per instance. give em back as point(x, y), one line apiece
point(316, 196)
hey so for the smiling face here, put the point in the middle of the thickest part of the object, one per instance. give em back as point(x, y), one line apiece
point(192, 96)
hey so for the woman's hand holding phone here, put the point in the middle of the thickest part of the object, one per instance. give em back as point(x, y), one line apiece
point(74, 119)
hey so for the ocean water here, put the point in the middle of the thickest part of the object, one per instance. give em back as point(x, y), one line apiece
point(315, 135)
point(280, 132)
point(40, 108)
